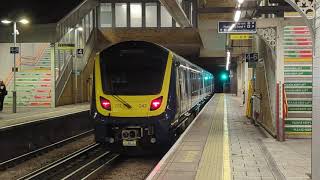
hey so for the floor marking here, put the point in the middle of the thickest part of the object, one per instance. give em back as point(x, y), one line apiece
point(226, 146)
point(157, 168)
point(270, 161)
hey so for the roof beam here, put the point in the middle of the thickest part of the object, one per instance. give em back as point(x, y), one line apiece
point(176, 12)
point(259, 9)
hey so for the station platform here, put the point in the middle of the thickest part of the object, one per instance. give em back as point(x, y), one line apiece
point(221, 143)
point(30, 115)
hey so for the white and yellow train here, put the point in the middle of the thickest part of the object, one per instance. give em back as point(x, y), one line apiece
point(143, 93)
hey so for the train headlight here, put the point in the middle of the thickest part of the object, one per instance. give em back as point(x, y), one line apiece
point(156, 103)
point(105, 103)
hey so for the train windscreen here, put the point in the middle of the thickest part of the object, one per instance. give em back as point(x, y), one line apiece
point(134, 69)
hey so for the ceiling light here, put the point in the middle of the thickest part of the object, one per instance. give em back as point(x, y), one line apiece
point(240, 1)
point(5, 21)
point(231, 27)
point(24, 21)
point(237, 16)
point(80, 28)
point(228, 60)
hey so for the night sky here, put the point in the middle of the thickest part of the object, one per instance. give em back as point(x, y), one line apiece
point(38, 11)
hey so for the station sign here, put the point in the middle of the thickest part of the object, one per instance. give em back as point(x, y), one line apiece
point(66, 46)
point(240, 36)
point(240, 27)
point(251, 57)
point(14, 50)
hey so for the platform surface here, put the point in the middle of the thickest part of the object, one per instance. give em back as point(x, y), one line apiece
point(8, 119)
point(223, 144)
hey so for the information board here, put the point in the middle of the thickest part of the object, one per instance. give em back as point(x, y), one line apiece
point(240, 27)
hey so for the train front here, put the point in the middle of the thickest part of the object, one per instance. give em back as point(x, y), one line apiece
point(130, 96)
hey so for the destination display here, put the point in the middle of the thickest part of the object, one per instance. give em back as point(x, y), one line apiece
point(239, 27)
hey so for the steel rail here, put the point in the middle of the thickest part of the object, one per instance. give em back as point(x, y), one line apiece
point(38, 174)
point(29, 155)
point(82, 164)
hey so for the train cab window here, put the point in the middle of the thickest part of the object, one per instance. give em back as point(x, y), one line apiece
point(133, 69)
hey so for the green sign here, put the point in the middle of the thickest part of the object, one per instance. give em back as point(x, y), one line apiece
point(298, 84)
point(298, 122)
point(299, 108)
point(297, 68)
point(299, 102)
point(298, 129)
point(298, 89)
point(297, 73)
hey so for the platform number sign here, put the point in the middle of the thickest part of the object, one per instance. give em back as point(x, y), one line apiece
point(252, 57)
point(14, 50)
point(79, 52)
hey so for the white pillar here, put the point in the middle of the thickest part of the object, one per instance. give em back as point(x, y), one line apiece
point(239, 79)
point(53, 75)
point(316, 98)
point(280, 76)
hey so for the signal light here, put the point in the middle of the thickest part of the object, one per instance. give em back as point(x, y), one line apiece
point(156, 103)
point(105, 103)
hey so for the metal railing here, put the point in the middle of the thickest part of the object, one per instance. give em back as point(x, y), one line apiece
point(63, 26)
point(74, 17)
point(62, 80)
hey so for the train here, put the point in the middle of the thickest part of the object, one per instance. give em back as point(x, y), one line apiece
point(144, 94)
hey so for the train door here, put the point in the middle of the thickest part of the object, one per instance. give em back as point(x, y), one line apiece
point(188, 87)
point(182, 88)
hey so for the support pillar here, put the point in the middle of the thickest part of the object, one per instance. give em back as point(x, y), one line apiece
point(53, 75)
point(315, 159)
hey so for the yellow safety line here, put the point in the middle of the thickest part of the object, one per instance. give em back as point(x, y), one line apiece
point(226, 147)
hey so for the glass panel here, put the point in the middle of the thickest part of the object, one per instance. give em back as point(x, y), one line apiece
point(87, 27)
point(191, 14)
point(121, 15)
point(136, 15)
point(151, 14)
point(177, 24)
point(127, 67)
point(84, 29)
point(105, 15)
point(166, 19)
point(91, 21)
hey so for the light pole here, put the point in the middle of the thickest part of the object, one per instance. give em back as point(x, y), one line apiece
point(14, 92)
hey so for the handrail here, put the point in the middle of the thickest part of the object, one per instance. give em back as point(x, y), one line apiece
point(74, 17)
point(69, 58)
point(19, 62)
point(285, 105)
point(63, 78)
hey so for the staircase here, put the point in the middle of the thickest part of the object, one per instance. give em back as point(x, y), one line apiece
point(298, 81)
point(33, 83)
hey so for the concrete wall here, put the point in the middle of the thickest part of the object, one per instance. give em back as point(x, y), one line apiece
point(266, 83)
point(29, 33)
point(6, 59)
point(213, 42)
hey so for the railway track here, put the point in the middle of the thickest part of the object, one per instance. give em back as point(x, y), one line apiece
point(86, 163)
point(19, 159)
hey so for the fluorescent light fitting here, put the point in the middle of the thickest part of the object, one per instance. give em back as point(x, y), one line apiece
point(240, 1)
point(228, 60)
point(80, 28)
point(237, 16)
point(231, 27)
point(24, 21)
point(5, 21)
